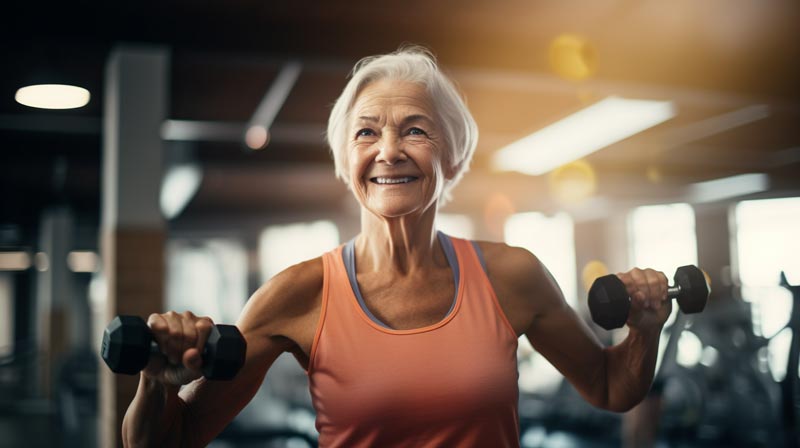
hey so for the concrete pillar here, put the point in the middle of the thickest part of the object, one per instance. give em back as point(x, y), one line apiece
point(54, 294)
point(133, 231)
point(714, 248)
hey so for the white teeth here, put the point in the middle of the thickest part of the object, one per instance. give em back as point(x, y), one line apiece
point(387, 180)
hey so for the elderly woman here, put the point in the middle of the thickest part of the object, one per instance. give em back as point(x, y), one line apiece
point(408, 335)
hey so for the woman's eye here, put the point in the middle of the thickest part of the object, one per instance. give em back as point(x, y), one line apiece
point(416, 131)
point(364, 132)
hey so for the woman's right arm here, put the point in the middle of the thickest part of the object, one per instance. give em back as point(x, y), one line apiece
point(161, 416)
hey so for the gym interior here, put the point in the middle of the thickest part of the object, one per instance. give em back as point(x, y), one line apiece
point(188, 165)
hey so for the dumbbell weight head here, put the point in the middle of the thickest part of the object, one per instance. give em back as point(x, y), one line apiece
point(224, 353)
point(694, 289)
point(126, 345)
point(609, 303)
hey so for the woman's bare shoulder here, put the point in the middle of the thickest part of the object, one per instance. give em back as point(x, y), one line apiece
point(512, 264)
point(286, 300)
point(521, 283)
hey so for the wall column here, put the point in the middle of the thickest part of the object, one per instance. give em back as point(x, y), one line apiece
point(133, 231)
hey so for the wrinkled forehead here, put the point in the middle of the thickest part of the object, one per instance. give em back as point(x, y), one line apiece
point(378, 98)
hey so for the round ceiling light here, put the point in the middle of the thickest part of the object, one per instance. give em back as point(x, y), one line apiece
point(53, 96)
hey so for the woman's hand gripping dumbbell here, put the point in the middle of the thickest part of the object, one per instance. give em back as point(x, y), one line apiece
point(610, 303)
point(173, 348)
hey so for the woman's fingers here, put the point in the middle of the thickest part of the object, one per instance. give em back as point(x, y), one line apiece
point(647, 287)
point(193, 357)
point(181, 338)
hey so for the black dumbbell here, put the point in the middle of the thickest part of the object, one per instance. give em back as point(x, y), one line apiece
point(609, 302)
point(128, 344)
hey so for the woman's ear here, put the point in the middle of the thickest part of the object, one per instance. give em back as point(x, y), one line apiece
point(451, 170)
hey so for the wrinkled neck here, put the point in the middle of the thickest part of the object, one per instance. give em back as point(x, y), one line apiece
point(402, 245)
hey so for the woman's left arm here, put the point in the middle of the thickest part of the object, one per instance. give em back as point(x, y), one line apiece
point(614, 378)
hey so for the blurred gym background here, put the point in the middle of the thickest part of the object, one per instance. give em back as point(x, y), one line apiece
point(192, 167)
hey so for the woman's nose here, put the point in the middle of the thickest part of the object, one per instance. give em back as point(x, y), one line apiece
point(390, 151)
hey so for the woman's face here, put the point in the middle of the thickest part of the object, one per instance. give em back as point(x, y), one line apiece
point(395, 149)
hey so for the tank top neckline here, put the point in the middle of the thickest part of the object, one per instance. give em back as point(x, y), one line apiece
point(453, 259)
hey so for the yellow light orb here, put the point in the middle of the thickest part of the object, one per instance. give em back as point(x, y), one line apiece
point(573, 182)
point(496, 212)
point(572, 57)
point(591, 272)
point(653, 174)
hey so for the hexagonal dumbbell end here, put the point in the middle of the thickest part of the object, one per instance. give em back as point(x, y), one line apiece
point(126, 345)
point(694, 289)
point(609, 303)
point(224, 353)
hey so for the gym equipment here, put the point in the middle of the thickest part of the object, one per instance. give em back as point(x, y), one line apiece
point(128, 344)
point(609, 303)
point(790, 386)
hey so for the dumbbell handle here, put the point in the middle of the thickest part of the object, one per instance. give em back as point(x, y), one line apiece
point(673, 291)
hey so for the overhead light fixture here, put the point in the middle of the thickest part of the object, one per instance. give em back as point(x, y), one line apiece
point(584, 132)
point(179, 186)
point(257, 133)
point(53, 96)
point(83, 261)
point(15, 261)
point(183, 175)
point(727, 187)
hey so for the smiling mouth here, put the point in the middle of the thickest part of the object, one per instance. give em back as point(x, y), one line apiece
point(392, 180)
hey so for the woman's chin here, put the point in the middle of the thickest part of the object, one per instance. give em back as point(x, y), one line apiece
point(394, 208)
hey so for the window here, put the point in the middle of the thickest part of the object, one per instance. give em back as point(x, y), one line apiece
point(208, 278)
point(459, 226)
point(663, 237)
point(286, 245)
point(551, 239)
point(767, 243)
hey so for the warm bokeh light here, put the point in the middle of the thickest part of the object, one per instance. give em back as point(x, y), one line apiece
point(591, 272)
point(14, 261)
point(53, 96)
point(653, 174)
point(497, 210)
point(42, 261)
point(83, 261)
point(572, 57)
point(257, 137)
point(572, 183)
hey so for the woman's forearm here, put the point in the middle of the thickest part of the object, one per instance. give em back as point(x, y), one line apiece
point(630, 367)
point(154, 417)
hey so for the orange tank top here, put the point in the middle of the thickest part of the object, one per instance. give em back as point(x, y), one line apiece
point(451, 384)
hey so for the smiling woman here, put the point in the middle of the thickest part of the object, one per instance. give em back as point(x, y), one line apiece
point(408, 335)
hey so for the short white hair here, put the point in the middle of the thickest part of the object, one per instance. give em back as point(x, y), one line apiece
point(418, 65)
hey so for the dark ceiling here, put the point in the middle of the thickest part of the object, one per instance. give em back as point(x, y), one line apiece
point(713, 59)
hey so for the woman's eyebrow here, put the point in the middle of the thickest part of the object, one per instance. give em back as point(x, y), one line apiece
point(417, 117)
point(404, 121)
